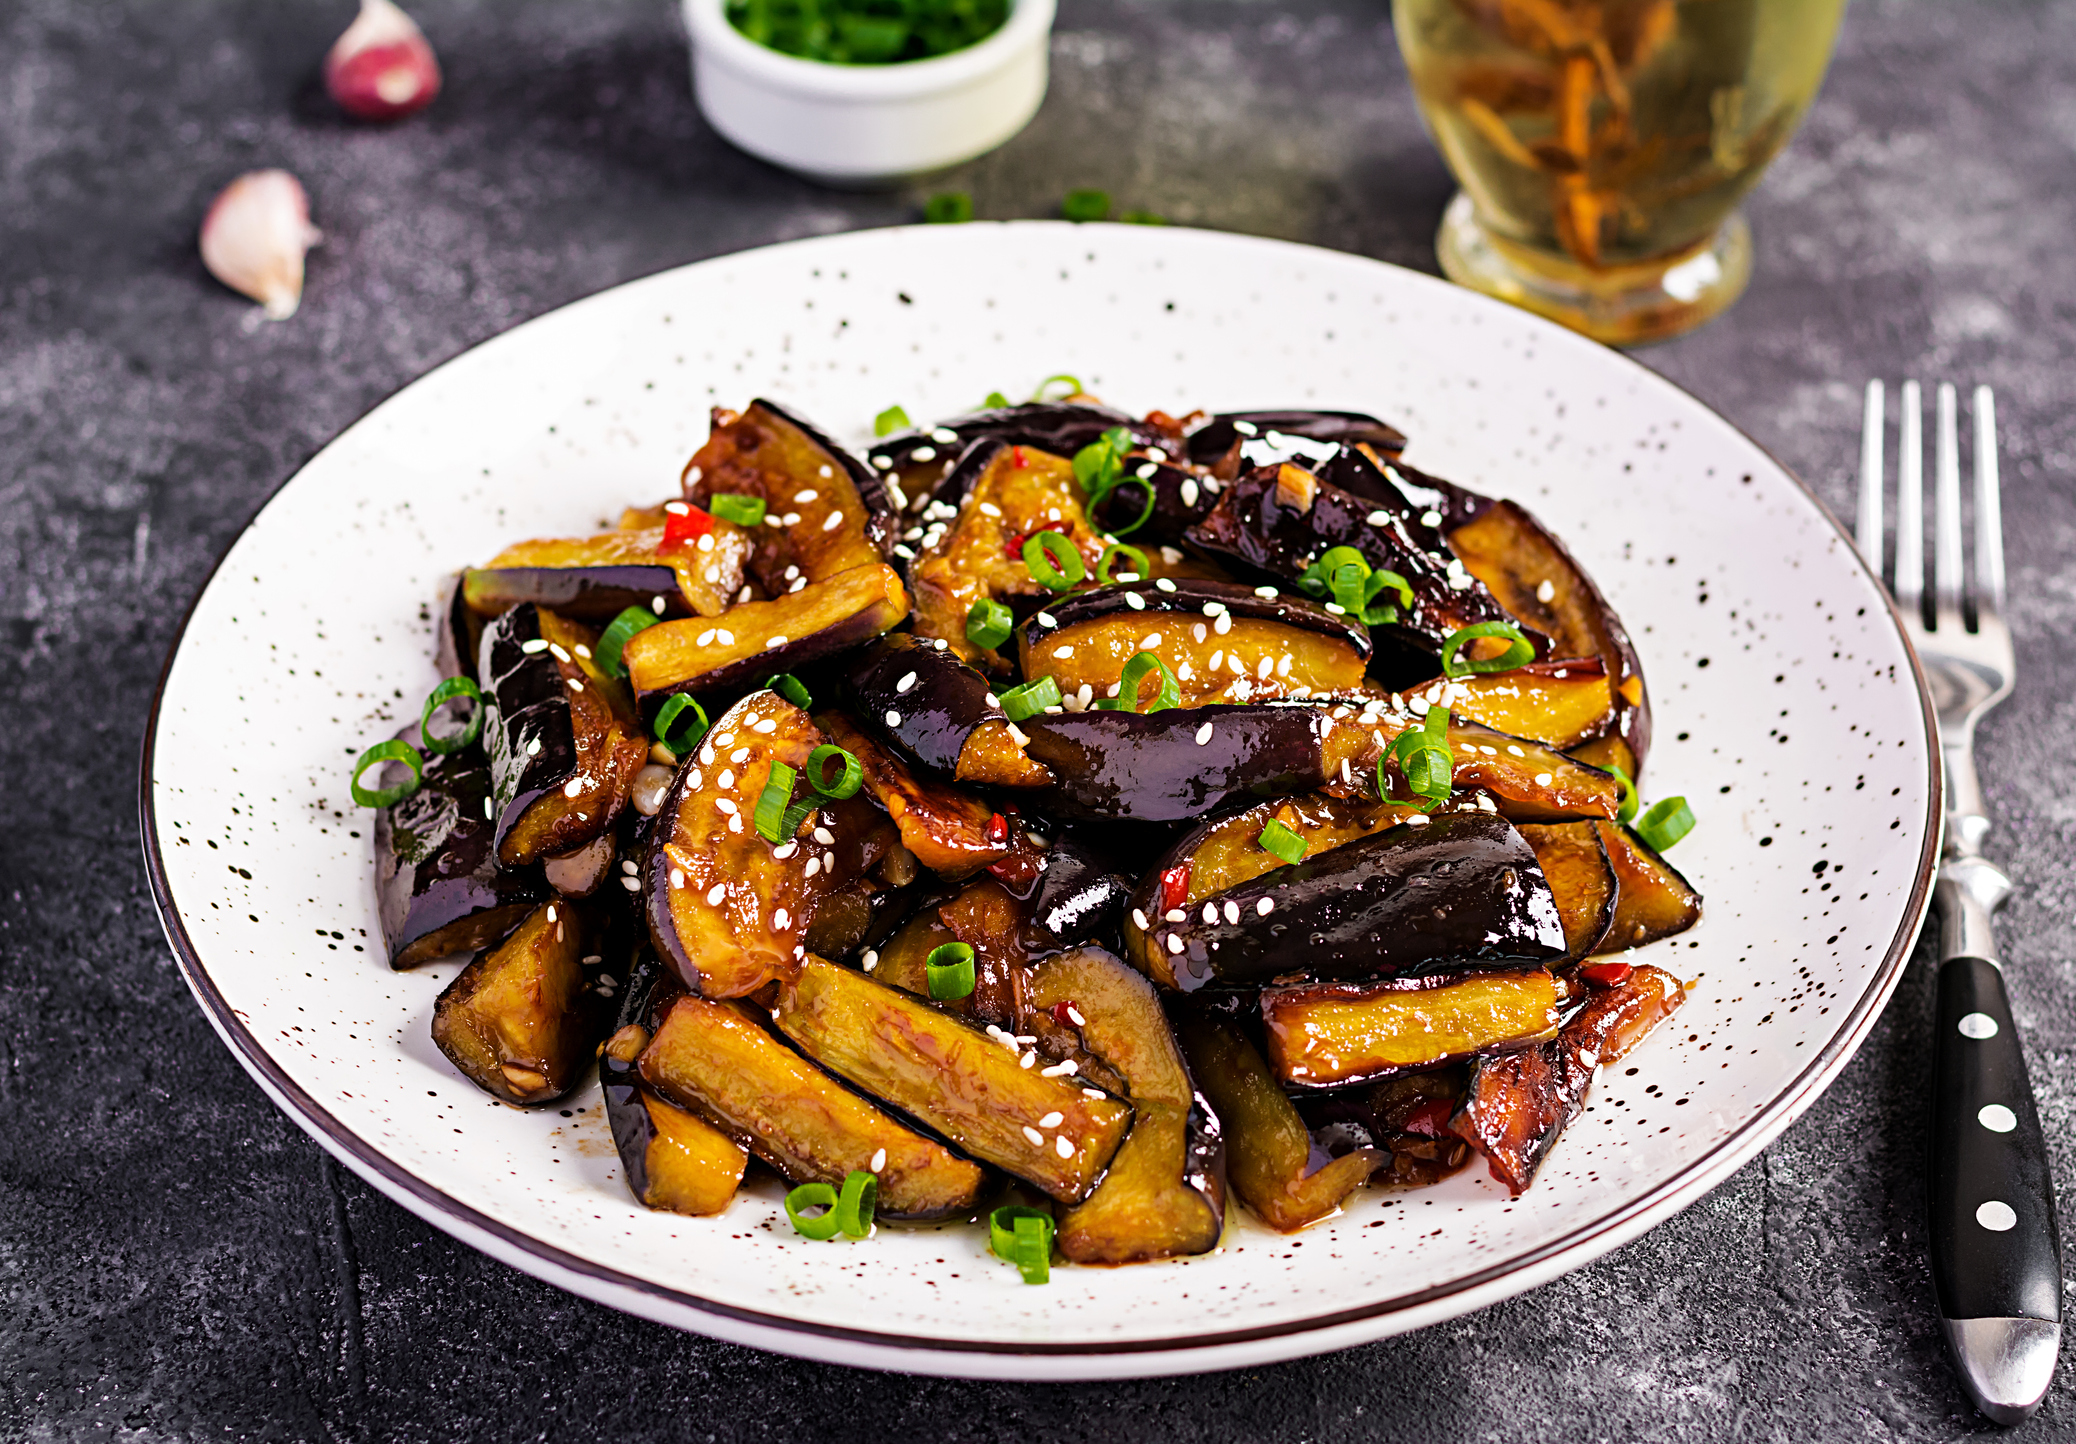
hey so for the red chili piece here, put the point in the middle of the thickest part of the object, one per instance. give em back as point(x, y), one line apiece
point(1429, 1118)
point(1607, 975)
point(1014, 547)
point(1016, 457)
point(1174, 887)
point(998, 830)
point(1063, 1013)
point(689, 525)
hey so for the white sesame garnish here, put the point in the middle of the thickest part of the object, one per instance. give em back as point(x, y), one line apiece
point(572, 787)
point(767, 726)
point(705, 638)
point(785, 850)
point(1546, 590)
point(1174, 915)
point(538, 644)
point(1062, 1069)
point(712, 574)
point(715, 893)
point(944, 436)
point(696, 780)
point(1148, 642)
point(533, 747)
point(799, 582)
point(905, 683)
point(727, 778)
point(1017, 735)
point(1175, 939)
point(555, 651)
point(923, 453)
point(1136, 602)
point(870, 959)
point(1189, 491)
point(893, 719)
point(1246, 428)
point(679, 508)
point(1210, 912)
point(1139, 919)
point(1062, 1147)
point(739, 756)
point(1203, 736)
point(726, 805)
point(1430, 518)
point(781, 918)
point(1232, 912)
point(727, 638)
point(677, 880)
point(1217, 658)
point(824, 836)
point(1378, 518)
point(988, 508)
point(1147, 472)
point(1063, 652)
point(632, 884)
point(1037, 1138)
point(1337, 609)
point(1265, 906)
point(806, 496)
point(1027, 1060)
point(1162, 582)
point(706, 543)
point(834, 521)
point(1224, 623)
point(1543, 779)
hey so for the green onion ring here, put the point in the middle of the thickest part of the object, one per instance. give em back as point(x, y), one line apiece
point(773, 802)
point(613, 641)
point(1626, 812)
point(1052, 560)
point(1145, 512)
point(1044, 387)
point(792, 689)
point(850, 774)
point(1666, 823)
point(820, 1226)
point(1282, 842)
point(680, 739)
point(949, 971)
point(1135, 672)
point(738, 508)
point(1140, 563)
point(1023, 1236)
point(447, 691)
point(855, 1205)
point(889, 421)
point(395, 750)
point(1424, 758)
point(989, 623)
point(1030, 699)
point(1519, 650)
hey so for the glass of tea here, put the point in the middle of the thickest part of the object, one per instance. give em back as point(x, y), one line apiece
point(1603, 145)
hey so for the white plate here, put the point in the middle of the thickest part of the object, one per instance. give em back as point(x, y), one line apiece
point(1776, 665)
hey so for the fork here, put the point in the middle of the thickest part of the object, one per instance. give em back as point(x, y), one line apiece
point(1995, 1249)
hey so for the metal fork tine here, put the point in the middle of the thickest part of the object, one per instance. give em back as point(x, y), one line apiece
point(1989, 508)
point(1871, 423)
point(1946, 506)
point(1909, 590)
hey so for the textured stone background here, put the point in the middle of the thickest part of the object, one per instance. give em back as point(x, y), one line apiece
point(178, 1262)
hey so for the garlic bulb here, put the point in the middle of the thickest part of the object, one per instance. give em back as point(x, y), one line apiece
point(254, 238)
point(381, 68)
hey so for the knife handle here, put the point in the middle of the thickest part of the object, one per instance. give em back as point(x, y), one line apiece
point(1996, 1252)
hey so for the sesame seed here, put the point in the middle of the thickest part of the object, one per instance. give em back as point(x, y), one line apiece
point(1062, 1147)
point(1163, 583)
point(798, 583)
point(804, 497)
point(767, 726)
point(1337, 609)
point(834, 521)
point(1074, 1014)
point(632, 884)
point(696, 780)
point(727, 778)
point(1378, 518)
point(1266, 669)
point(1174, 915)
point(575, 685)
point(923, 453)
point(551, 912)
point(905, 683)
point(1059, 1070)
point(1515, 750)
point(944, 435)
point(1543, 779)
point(714, 894)
point(1246, 428)
point(1139, 919)
point(627, 866)
point(1210, 912)
point(1267, 592)
point(993, 700)
point(824, 836)
point(1265, 906)
point(1189, 491)
point(705, 638)
point(727, 637)
point(1148, 642)
point(780, 919)
point(555, 651)
point(538, 644)
point(1430, 518)
point(1546, 590)
point(1047, 619)
point(1052, 513)
point(713, 574)
point(785, 850)
point(1019, 736)
point(533, 747)
point(1198, 632)
point(678, 508)
point(1203, 736)
point(1175, 939)
point(677, 880)
point(1028, 1060)
point(1224, 623)
point(1147, 472)
point(1063, 652)
point(739, 755)
point(870, 959)
point(706, 543)
point(1136, 602)
point(904, 551)
point(726, 805)
point(1037, 1138)
point(656, 602)
point(774, 643)
point(893, 719)
point(1232, 912)
point(572, 787)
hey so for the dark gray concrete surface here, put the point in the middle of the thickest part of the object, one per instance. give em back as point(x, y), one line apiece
point(178, 1262)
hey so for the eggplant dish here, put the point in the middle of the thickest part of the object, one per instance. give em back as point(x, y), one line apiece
point(1052, 818)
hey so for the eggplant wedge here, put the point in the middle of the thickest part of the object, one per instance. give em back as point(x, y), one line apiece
point(524, 1018)
point(1164, 1193)
point(1224, 642)
point(922, 460)
point(1076, 895)
point(727, 909)
point(1329, 1035)
point(958, 1081)
point(1406, 1115)
point(752, 641)
point(1562, 704)
point(1178, 763)
point(719, 1061)
point(458, 638)
point(673, 1160)
point(1455, 892)
point(950, 832)
point(1270, 1159)
point(1528, 781)
point(937, 712)
point(1581, 878)
point(438, 885)
point(1652, 900)
point(1260, 437)
point(594, 579)
point(562, 737)
point(825, 512)
point(1518, 1103)
point(1531, 574)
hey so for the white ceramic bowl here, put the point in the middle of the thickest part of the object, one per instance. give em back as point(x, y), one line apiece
point(869, 125)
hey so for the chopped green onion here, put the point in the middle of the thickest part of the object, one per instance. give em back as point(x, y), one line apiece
point(1052, 559)
point(395, 750)
point(1375, 614)
point(447, 691)
point(613, 641)
point(995, 402)
point(1519, 649)
point(849, 776)
point(949, 971)
point(1098, 464)
point(1030, 699)
point(1085, 205)
point(1023, 1236)
point(1143, 218)
point(1069, 386)
point(680, 739)
point(817, 1226)
point(1666, 823)
point(1141, 566)
point(889, 421)
point(1423, 756)
point(734, 506)
point(948, 208)
point(855, 1205)
point(1145, 512)
point(789, 825)
point(773, 802)
point(989, 623)
point(1135, 672)
point(792, 689)
point(1627, 811)
point(1281, 841)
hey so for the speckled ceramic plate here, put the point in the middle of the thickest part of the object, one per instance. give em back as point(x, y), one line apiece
point(1790, 713)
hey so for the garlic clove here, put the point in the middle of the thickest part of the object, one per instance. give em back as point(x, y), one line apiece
point(254, 238)
point(382, 68)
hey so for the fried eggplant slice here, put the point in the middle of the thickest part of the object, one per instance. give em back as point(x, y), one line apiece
point(593, 579)
point(1164, 1193)
point(973, 551)
point(1528, 781)
point(1562, 704)
point(438, 885)
point(719, 1061)
point(937, 712)
point(754, 640)
point(1455, 892)
point(955, 1079)
point(1070, 893)
point(1270, 1158)
point(1329, 1035)
point(1652, 900)
point(1224, 642)
point(727, 909)
point(1581, 879)
point(563, 739)
point(923, 460)
point(1531, 574)
point(523, 1019)
point(673, 1160)
point(825, 512)
point(949, 831)
point(1518, 1103)
point(1406, 1114)
point(1179, 763)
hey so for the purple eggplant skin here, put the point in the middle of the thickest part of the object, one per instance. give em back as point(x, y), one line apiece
point(1253, 524)
point(1454, 505)
point(882, 520)
point(585, 594)
point(1152, 767)
point(938, 709)
point(527, 732)
point(1461, 892)
point(456, 637)
point(1181, 499)
point(438, 885)
point(1194, 595)
point(1214, 440)
point(1058, 427)
point(1075, 896)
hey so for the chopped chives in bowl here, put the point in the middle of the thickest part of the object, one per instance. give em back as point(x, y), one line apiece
point(867, 32)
